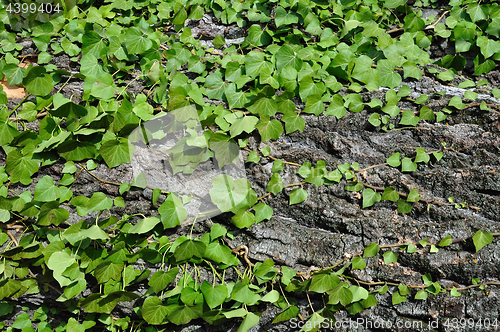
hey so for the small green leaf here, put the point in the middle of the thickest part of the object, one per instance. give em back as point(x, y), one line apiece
point(188, 249)
point(394, 160)
point(403, 206)
point(275, 185)
point(481, 239)
point(390, 194)
point(243, 219)
point(407, 165)
point(262, 211)
point(371, 251)
point(144, 225)
point(358, 263)
point(421, 295)
point(214, 295)
point(370, 197)
point(390, 257)
point(297, 196)
point(455, 292)
point(219, 41)
point(413, 196)
point(37, 82)
point(446, 241)
point(397, 298)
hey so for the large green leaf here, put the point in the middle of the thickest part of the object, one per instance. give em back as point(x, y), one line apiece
point(387, 75)
point(172, 212)
point(21, 167)
point(7, 133)
point(269, 129)
point(38, 82)
point(93, 44)
point(153, 311)
point(77, 150)
point(144, 225)
point(286, 56)
point(45, 190)
point(214, 295)
point(323, 281)
point(229, 194)
point(117, 152)
point(161, 279)
point(135, 42)
point(284, 17)
point(188, 249)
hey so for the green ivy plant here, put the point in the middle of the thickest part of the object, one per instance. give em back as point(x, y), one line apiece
point(298, 56)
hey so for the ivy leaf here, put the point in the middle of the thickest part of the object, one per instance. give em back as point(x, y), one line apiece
point(323, 281)
point(409, 119)
point(421, 295)
point(390, 257)
point(254, 62)
point(135, 42)
point(37, 82)
point(243, 124)
point(403, 206)
point(214, 295)
point(188, 249)
point(69, 110)
point(144, 225)
point(371, 251)
point(52, 214)
point(370, 197)
point(464, 33)
point(229, 194)
point(422, 156)
point(285, 18)
point(93, 44)
point(161, 279)
point(476, 12)
point(397, 298)
point(99, 201)
point(407, 165)
point(390, 194)
point(297, 196)
point(7, 133)
point(387, 75)
point(269, 129)
point(257, 36)
point(262, 211)
point(358, 263)
point(286, 314)
point(243, 219)
point(336, 107)
point(249, 321)
point(488, 46)
point(264, 106)
point(293, 122)
point(45, 190)
point(117, 152)
point(275, 185)
point(235, 99)
point(314, 105)
point(153, 311)
point(76, 150)
point(108, 270)
point(20, 167)
point(413, 23)
point(413, 196)
point(225, 149)
point(481, 239)
point(286, 56)
point(172, 212)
